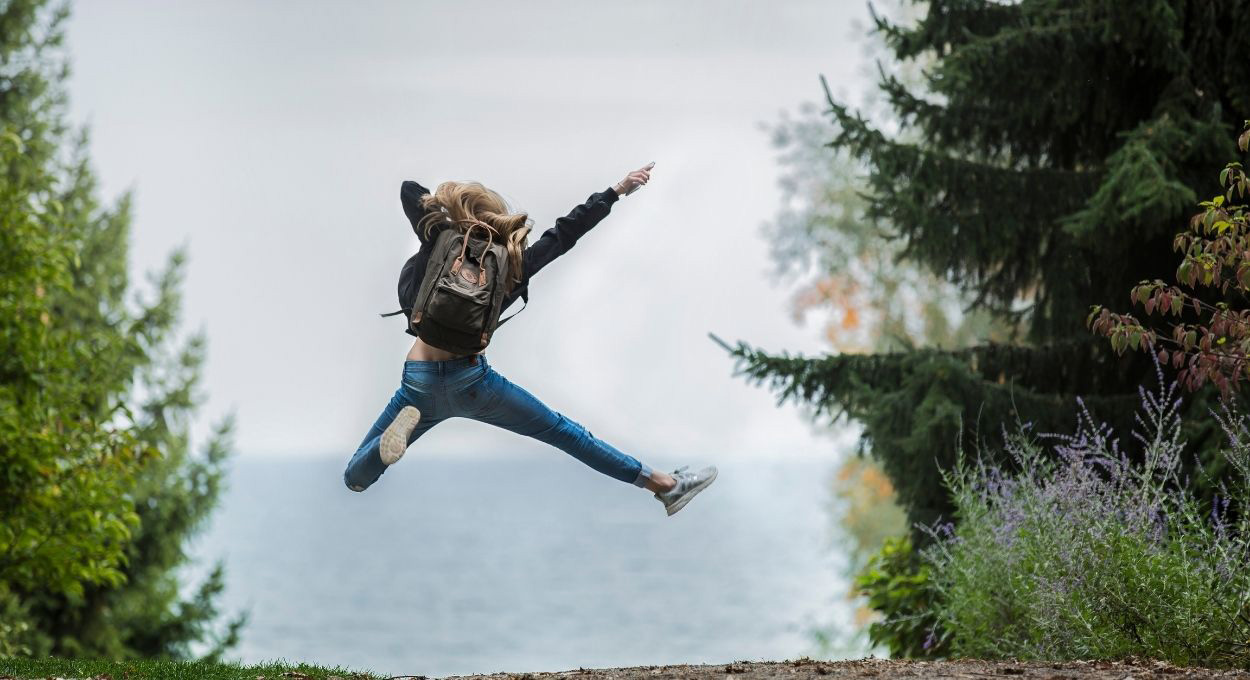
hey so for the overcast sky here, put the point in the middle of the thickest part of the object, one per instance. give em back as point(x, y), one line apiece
point(271, 138)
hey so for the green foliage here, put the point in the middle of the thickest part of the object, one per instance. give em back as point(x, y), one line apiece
point(98, 490)
point(1215, 346)
point(871, 300)
point(14, 625)
point(62, 521)
point(898, 586)
point(34, 669)
point(875, 301)
point(1085, 554)
point(1040, 168)
point(910, 401)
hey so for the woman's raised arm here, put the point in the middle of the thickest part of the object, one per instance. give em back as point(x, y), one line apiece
point(557, 240)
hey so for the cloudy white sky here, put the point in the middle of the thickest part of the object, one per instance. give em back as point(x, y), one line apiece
point(271, 139)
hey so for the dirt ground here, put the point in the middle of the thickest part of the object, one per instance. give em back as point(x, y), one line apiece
point(884, 668)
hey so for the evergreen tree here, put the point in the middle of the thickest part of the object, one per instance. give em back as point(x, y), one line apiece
point(99, 492)
point(1043, 168)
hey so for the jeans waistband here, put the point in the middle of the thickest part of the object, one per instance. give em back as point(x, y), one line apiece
point(448, 365)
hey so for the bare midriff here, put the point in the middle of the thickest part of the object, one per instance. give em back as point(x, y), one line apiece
point(423, 352)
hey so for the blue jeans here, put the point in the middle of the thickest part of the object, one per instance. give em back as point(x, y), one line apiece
point(466, 388)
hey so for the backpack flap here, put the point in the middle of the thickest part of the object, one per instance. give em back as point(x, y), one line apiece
point(447, 242)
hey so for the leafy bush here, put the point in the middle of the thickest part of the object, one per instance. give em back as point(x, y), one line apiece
point(899, 587)
point(1215, 347)
point(14, 625)
point(1083, 554)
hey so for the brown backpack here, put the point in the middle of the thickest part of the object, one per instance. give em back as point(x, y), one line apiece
point(457, 305)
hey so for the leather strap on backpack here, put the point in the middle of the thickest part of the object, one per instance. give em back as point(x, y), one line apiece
point(464, 247)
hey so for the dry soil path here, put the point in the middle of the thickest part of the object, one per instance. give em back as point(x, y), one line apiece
point(890, 670)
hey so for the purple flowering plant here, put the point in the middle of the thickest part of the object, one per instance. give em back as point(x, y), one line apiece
point(1088, 553)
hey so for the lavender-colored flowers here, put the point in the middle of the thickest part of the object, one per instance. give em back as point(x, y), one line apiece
point(1086, 554)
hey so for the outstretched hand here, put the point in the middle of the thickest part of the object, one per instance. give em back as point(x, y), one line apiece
point(634, 180)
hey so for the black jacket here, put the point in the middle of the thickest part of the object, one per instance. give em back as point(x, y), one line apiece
point(552, 244)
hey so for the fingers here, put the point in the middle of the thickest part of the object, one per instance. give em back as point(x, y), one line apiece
point(638, 177)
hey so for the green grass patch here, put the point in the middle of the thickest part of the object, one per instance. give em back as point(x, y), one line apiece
point(17, 667)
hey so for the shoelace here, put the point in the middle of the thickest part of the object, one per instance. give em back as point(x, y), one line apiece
point(683, 478)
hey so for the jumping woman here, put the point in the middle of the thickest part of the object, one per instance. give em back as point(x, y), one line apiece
point(437, 384)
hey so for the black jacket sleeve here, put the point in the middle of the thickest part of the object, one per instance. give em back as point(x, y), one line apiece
point(558, 239)
point(410, 194)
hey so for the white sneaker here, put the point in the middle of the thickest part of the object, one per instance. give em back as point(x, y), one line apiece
point(688, 484)
point(395, 436)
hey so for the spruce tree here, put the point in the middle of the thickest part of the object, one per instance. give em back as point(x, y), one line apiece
point(99, 492)
point(1053, 151)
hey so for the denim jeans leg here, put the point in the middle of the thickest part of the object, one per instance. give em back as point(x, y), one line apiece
point(519, 411)
point(366, 465)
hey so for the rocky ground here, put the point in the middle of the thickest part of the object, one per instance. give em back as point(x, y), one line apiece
point(19, 669)
point(883, 668)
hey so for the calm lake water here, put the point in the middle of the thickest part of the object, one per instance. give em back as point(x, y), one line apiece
point(524, 562)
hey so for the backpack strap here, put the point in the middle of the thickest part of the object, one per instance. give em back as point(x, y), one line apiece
point(525, 300)
point(401, 311)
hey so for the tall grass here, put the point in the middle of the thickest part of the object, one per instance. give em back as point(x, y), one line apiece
point(1085, 554)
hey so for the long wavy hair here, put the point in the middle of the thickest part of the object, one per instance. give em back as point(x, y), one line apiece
point(452, 201)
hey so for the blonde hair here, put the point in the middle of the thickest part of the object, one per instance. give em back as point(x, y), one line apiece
point(452, 202)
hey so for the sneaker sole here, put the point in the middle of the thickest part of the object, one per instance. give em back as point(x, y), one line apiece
point(691, 494)
point(395, 436)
